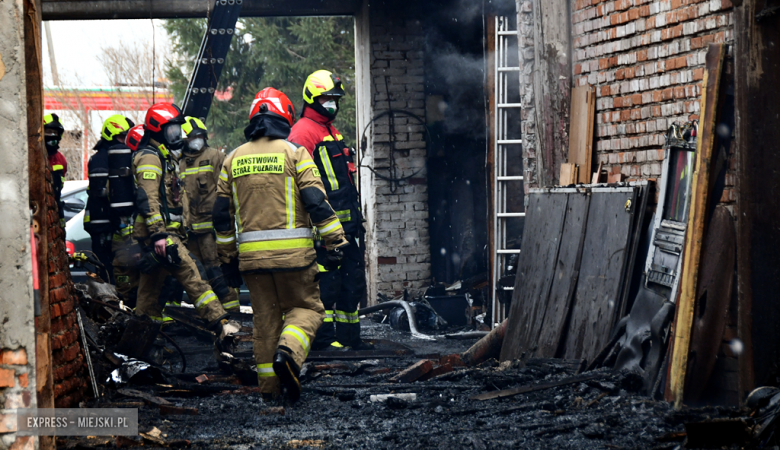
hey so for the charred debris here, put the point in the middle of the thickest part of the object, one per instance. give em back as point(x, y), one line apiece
point(609, 272)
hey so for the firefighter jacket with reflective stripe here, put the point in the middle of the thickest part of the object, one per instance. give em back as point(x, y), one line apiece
point(335, 164)
point(161, 202)
point(269, 191)
point(97, 215)
point(59, 168)
point(200, 173)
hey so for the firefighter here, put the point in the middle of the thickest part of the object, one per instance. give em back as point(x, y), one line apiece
point(52, 135)
point(97, 216)
point(199, 169)
point(161, 221)
point(270, 188)
point(342, 289)
point(122, 193)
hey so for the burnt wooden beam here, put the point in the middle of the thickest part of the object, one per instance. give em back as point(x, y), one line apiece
point(171, 9)
point(37, 161)
point(757, 99)
point(697, 220)
point(552, 80)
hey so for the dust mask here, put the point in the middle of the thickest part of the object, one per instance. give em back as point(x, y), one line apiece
point(330, 106)
point(176, 153)
point(197, 144)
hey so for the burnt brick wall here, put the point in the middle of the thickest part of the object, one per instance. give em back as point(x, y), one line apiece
point(68, 363)
point(401, 228)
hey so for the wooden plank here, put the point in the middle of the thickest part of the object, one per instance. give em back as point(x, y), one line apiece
point(599, 284)
point(757, 98)
point(639, 218)
point(541, 238)
point(566, 273)
point(552, 74)
point(490, 168)
point(596, 179)
point(589, 136)
point(568, 174)
point(696, 221)
point(712, 302)
point(581, 130)
point(537, 387)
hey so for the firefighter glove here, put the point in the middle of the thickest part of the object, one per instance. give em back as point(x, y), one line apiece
point(333, 259)
point(231, 273)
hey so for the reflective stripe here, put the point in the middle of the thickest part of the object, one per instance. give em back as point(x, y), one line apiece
point(149, 168)
point(238, 210)
point(157, 318)
point(154, 219)
point(231, 304)
point(300, 167)
point(205, 299)
point(197, 170)
point(98, 175)
point(290, 190)
point(286, 244)
point(274, 235)
point(223, 175)
point(330, 228)
point(328, 316)
point(203, 226)
point(119, 151)
point(226, 240)
point(334, 183)
point(97, 221)
point(322, 268)
point(122, 204)
point(266, 370)
point(347, 317)
point(57, 167)
point(344, 216)
point(298, 334)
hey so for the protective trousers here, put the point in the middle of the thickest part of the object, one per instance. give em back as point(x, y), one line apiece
point(186, 273)
point(287, 312)
point(342, 290)
point(102, 247)
point(204, 248)
point(125, 273)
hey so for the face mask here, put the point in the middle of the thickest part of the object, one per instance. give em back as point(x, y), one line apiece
point(176, 153)
point(52, 145)
point(330, 106)
point(196, 144)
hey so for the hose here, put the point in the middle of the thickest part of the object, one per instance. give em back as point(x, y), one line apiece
point(409, 314)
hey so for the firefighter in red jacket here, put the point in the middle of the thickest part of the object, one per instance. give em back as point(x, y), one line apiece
point(341, 289)
point(52, 135)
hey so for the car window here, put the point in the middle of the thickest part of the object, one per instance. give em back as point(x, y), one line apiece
point(80, 194)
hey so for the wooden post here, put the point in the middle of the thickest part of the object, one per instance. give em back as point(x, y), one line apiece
point(490, 168)
point(37, 161)
point(697, 218)
point(757, 105)
point(552, 86)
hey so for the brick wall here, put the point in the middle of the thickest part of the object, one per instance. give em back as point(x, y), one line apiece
point(70, 377)
point(646, 60)
point(15, 392)
point(401, 219)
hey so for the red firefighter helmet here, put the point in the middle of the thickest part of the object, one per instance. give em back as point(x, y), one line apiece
point(272, 101)
point(161, 114)
point(134, 137)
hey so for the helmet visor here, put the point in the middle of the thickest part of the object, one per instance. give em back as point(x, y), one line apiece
point(173, 133)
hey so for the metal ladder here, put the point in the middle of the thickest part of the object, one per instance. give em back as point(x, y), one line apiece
point(500, 253)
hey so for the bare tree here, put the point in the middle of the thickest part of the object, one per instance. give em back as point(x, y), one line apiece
point(135, 75)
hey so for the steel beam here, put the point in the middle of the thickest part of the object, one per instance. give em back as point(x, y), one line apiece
point(170, 9)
